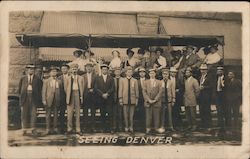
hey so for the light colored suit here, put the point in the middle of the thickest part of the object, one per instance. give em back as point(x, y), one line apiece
point(192, 91)
point(123, 90)
point(48, 91)
point(51, 96)
point(74, 99)
point(68, 88)
point(152, 92)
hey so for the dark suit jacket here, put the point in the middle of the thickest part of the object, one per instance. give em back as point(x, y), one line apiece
point(207, 84)
point(233, 91)
point(101, 87)
point(192, 61)
point(116, 90)
point(86, 99)
point(63, 92)
point(36, 90)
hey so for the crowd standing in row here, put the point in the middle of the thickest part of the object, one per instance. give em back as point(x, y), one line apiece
point(145, 88)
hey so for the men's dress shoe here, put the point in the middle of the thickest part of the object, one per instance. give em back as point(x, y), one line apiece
point(126, 130)
point(34, 133)
point(189, 127)
point(193, 128)
point(161, 130)
point(171, 129)
point(79, 133)
point(147, 131)
point(68, 132)
point(25, 133)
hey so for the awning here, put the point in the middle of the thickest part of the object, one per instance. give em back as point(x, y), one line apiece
point(186, 27)
point(94, 40)
point(83, 23)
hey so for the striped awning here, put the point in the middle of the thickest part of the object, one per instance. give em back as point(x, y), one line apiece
point(84, 23)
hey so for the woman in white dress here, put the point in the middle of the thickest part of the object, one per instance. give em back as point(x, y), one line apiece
point(116, 61)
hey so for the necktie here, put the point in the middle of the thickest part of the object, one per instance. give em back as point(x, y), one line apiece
point(129, 99)
point(29, 80)
point(117, 87)
point(166, 91)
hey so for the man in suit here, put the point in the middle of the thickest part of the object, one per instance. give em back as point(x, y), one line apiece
point(104, 87)
point(152, 93)
point(51, 95)
point(220, 99)
point(30, 87)
point(168, 94)
point(89, 98)
point(234, 99)
point(140, 110)
point(192, 91)
point(177, 99)
point(117, 107)
point(128, 98)
point(205, 97)
point(74, 98)
point(62, 119)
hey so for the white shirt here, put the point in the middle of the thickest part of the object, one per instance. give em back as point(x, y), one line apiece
point(75, 83)
point(153, 82)
point(104, 77)
point(30, 79)
point(220, 83)
point(115, 62)
point(142, 80)
point(80, 62)
point(203, 77)
point(173, 80)
point(65, 76)
point(212, 58)
point(162, 61)
point(89, 75)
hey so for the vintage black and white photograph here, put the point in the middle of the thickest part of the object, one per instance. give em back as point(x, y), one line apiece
point(124, 78)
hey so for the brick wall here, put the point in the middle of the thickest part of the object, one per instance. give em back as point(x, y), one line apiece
point(21, 22)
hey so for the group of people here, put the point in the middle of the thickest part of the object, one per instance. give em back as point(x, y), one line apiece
point(127, 91)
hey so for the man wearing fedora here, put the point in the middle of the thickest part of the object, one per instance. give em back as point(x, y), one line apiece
point(89, 98)
point(74, 99)
point(51, 95)
point(152, 93)
point(104, 87)
point(192, 91)
point(30, 88)
point(62, 118)
point(128, 98)
point(205, 97)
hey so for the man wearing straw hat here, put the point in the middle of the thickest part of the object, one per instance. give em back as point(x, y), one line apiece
point(51, 95)
point(152, 93)
point(205, 97)
point(74, 98)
